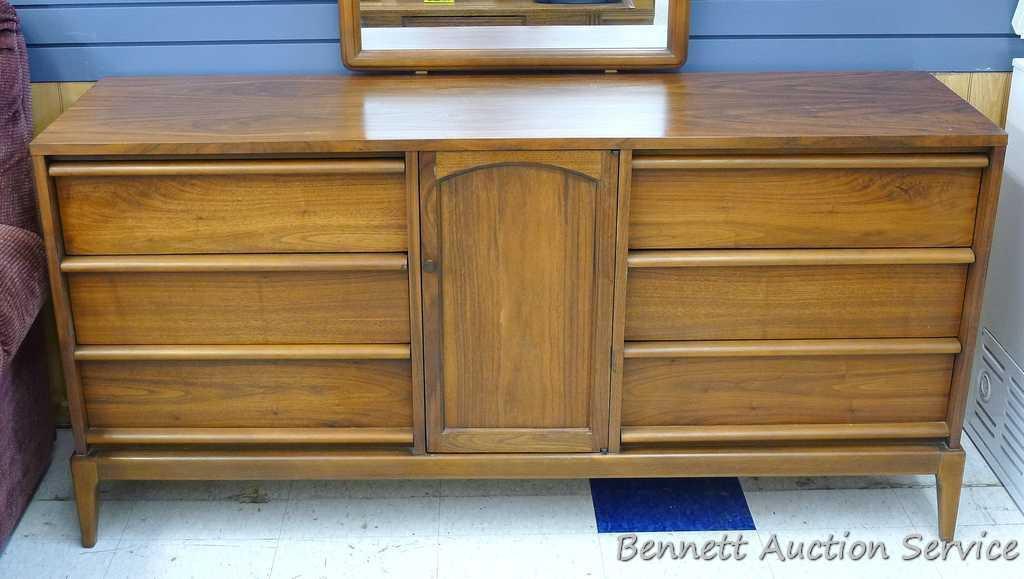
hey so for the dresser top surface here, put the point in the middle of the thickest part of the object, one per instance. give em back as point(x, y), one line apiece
point(356, 113)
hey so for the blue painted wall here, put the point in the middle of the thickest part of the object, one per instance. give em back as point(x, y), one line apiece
point(72, 40)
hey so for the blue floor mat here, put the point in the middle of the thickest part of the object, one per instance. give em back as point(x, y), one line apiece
point(670, 504)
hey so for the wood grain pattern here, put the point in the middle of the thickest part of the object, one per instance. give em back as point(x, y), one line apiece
point(990, 94)
point(49, 217)
point(974, 294)
point(374, 436)
point(85, 474)
point(666, 162)
point(948, 482)
point(243, 213)
point(794, 302)
point(241, 308)
point(764, 460)
point(766, 434)
point(736, 207)
point(682, 112)
point(248, 393)
point(220, 352)
point(775, 348)
point(412, 194)
point(46, 105)
point(523, 255)
point(334, 262)
point(785, 390)
point(619, 308)
point(797, 257)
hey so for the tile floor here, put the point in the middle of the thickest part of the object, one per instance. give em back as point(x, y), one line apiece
point(495, 529)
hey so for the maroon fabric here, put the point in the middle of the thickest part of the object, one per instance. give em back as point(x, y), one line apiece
point(26, 431)
point(26, 421)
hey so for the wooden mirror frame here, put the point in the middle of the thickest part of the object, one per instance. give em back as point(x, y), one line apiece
point(427, 59)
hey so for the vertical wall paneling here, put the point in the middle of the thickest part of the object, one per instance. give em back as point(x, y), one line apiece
point(82, 40)
point(990, 93)
point(71, 92)
point(46, 104)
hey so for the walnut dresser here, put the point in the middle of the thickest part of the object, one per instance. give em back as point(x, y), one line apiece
point(518, 276)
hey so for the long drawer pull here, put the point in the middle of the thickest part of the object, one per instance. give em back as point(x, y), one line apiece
point(776, 348)
point(783, 432)
point(239, 262)
point(811, 162)
point(249, 436)
point(227, 167)
point(781, 257)
point(247, 352)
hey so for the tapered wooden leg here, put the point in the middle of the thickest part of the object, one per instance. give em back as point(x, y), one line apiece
point(948, 482)
point(86, 477)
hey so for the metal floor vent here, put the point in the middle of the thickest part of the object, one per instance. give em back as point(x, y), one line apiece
point(995, 413)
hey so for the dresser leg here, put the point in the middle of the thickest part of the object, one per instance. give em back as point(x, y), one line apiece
point(85, 474)
point(948, 482)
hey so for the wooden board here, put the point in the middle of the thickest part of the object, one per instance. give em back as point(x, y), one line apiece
point(794, 302)
point(242, 212)
point(241, 307)
point(518, 301)
point(785, 390)
point(248, 393)
point(827, 207)
point(302, 115)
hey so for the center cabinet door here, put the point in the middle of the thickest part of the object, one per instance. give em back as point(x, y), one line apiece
point(518, 269)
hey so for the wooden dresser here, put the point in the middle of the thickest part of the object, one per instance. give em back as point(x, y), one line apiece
point(518, 276)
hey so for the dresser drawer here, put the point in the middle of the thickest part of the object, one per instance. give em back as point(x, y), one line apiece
point(247, 393)
point(721, 295)
point(783, 389)
point(232, 206)
point(776, 202)
point(257, 300)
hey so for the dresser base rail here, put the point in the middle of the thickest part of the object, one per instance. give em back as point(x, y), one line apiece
point(326, 464)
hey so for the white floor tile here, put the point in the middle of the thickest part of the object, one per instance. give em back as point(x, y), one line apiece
point(922, 508)
point(755, 484)
point(976, 471)
point(364, 489)
point(405, 558)
point(520, 557)
point(59, 520)
point(193, 559)
point(56, 484)
point(513, 488)
point(796, 558)
point(203, 520)
point(253, 492)
point(517, 515)
point(55, 559)
point(340, 518)
point(996, 503)
point(956, 568)
point(837, 510)
point(620, 565)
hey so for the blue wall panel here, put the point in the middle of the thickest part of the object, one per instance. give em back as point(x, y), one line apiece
point(79, 40)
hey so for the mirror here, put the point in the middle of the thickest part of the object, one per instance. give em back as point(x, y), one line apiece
point(513, 34)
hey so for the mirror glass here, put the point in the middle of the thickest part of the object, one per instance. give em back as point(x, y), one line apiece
point(514, 24)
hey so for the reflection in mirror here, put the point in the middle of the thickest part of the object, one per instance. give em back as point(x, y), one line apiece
point(514, 24)
point(428, 13)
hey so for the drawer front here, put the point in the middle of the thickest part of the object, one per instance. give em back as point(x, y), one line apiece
point(261, 307)
point(785, 390)
point(803, 207)
point(234, 212)
point(794, 302)
point(248, 393)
